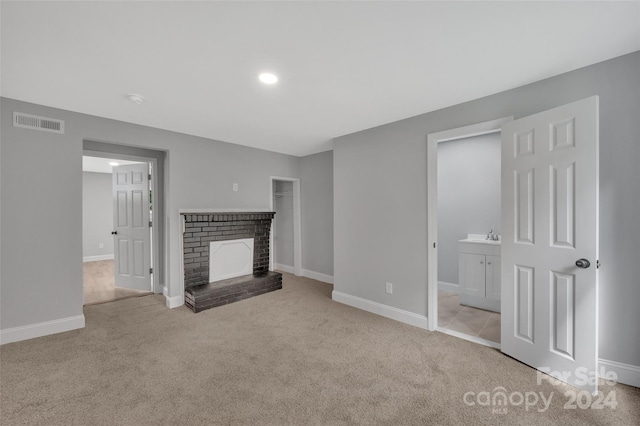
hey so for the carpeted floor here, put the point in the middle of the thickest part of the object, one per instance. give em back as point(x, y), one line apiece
point(288, 357)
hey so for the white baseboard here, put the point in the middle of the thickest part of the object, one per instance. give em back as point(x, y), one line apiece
point(305, 273)
point(40, 329)
point(449, 287)
point(96, 258)
point(380, 309)
point(283, 268)
point(627, 374)
point(317, 276)
point(172, 302)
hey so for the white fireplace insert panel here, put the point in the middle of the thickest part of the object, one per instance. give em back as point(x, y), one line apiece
point(230, 258)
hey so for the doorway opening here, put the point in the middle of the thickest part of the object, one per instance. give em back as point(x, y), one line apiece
point(464, 232)
point(468, 236)
point(155, 200)
point(107, 209)
point(285, 239)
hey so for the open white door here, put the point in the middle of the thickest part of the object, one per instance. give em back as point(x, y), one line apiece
point(132, 243)
point(550, 241)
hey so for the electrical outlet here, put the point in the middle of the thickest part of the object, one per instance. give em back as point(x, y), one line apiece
point(389, 288)
point(101, 245)
point(235, 187)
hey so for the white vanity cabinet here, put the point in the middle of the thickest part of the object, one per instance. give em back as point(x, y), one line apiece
point(479, 273)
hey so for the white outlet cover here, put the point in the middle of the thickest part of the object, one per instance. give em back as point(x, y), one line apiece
point(389, 288)
point(235, 187)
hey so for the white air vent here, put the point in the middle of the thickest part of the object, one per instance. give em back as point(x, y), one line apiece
point(34, 122)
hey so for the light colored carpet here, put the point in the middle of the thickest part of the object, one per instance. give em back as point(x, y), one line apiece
point(288, 357)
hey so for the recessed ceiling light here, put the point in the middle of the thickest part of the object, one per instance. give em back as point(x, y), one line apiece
point(135, 98)
point(268, 78)
point(113, 163)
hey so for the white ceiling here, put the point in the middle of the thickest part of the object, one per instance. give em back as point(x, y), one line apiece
point(101, 165)
point(343, 66)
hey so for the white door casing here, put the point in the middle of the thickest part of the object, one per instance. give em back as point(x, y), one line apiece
point(132, 245)
point(550, 221)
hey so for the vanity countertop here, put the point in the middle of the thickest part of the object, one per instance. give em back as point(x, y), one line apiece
point(479, 239)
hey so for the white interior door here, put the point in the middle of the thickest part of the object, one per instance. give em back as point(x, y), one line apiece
point(550, 236)
point(132, 245)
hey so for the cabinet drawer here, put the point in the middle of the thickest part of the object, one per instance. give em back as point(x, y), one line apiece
point(479, 248)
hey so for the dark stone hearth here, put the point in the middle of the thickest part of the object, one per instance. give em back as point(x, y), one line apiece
point(206, 296)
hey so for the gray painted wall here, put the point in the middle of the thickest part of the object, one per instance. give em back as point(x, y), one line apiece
point(283, 196)
point(316, 183)
point(45, 169)
point(381, 208)
point(97, 214)
point(468, 196)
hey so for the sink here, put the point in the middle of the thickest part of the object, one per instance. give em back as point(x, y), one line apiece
point(479, 239)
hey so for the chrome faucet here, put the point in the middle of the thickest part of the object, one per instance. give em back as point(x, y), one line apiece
point(491, 236)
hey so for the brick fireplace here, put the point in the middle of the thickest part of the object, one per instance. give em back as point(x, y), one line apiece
point(203, 228)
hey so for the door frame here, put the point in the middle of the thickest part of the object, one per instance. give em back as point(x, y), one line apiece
point(433, 139)
point(155, 259)
point(297, 224)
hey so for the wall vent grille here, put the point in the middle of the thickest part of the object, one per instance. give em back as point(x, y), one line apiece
point(28, 121)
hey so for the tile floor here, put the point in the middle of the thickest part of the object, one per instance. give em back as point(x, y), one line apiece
point(99, 286)
point(465, 319)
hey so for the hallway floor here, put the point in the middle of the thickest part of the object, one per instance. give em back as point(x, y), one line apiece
point(99, 285)
point(465, 319)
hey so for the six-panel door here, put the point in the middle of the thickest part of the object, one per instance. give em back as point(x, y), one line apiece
point(550, 220)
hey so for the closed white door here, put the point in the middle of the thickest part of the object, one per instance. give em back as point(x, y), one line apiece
point(132, 238)
point(550, 241)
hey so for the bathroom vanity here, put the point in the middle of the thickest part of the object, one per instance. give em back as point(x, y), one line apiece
point(479, 272)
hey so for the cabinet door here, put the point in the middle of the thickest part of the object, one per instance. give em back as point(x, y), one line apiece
point(493, 277)
point(472, 274)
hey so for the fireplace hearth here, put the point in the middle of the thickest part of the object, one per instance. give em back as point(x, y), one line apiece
point(200, 230)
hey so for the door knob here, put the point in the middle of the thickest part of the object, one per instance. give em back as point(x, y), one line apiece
point(583, 263)
point(114, 233)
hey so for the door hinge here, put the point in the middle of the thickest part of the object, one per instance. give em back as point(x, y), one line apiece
point(151, 270)
point(434, 245)
point(150, 224)
point(149, 177)
point(597, 264)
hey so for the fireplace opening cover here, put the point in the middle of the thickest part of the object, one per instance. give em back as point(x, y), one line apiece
point(230, 258)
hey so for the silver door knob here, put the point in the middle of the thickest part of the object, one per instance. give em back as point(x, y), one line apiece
point(583, 263)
